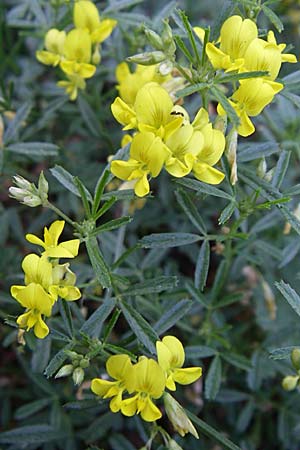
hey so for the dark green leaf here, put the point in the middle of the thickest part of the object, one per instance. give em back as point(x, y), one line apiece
point(92, 327)
point(98, 263)
point(84, 194)
point(159, 284)
point(281, 168)
point(256, 150)
point(31, 408)
point(203, 188)
point(223, 100)
point(164, 240)
point(227, 212)
point(213, 378)
point(199, 351)
point(32, 434)
point(198, 87)
point(237, 360)
point(140, 327)
point(64, 309)
point(290, 295)
point(11, 131)
point(43, 149)
point(111, 225)
point(274, 19)
point(202, 266)
point(99, 189)
point(172, 316)
point(57, 361)
point(282, 353)
point(67, 180)
point(188, 205)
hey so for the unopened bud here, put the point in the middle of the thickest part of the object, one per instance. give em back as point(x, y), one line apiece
point(172, 445)
point(84, 363)
point(96, 57)
point(154, 39)
point(65, 371)
point(167, 34)
point(261, 168)
point(295, 358)
point(220, 123)
point(269, 175)
point(178, 417)
point(43, 187)
point(147, 58)
point(290, 382)
point(165, 68)
point(78, 376)
point(27, 193)
point(269, 299)
point(230, 152)
point(71, 354)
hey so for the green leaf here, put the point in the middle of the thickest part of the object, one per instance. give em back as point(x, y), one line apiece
point(67, 180)
point(282, 353)
point(140, 327)
point(219, 280)
point(203, 188)
point(223, 100)
point(199, 351)
point(227, 212)
point(65, 312)
point(84, 196)
point(43, 149)
point(82, 404)
point(90, 118)
point(155, 285)
point(180, 44)
point(290, 295)
point(229, 77)
point(228, 300)
point(256, 150)
point(11, 131)
point(245, 416)
point(213, 378)
point(105, 207)
point(32, 434)
point(57, 361)
point(164, 240)
point(92, 327)
point(197, 294)
point(274, 19)
point(281, 169)
point(202, 266)
point(212, 433)
point(111, 225)
point(99, 189)
point(98, 263)
point(187, 204)
point(237, 360)
point(172, 316)
point(189, 90)
point(120, 4)
point(31, 408)
point(190, 35)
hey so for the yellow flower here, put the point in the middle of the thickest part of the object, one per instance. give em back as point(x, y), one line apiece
point(250, 99)
point(67, 249)
point(77, 54)
point(148, 381)
point(266, 56)
point(130, 83)
point(147, 156)
point(72, 85)
point(33, 296)
point(124, 114)
point(54, 44)
point(211, 151)
point(185, 144)
point(118, 367)
point(86, 16)
point(63, 283)
point(235, 37)
point(170, 355)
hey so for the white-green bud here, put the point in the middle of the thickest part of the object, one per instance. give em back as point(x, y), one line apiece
point(64, 371)
point(290, 382)
point(261, 168)
point(78, 376)
point(172, 445)
point(230, 152)
point(154, 39)
point(27, 193)
point(167, 34)
point(96, 57)
point(43, 187)
point(165, 67)
point(295, 358)
point(84, 363)
point(178, 417)
point(147, 58)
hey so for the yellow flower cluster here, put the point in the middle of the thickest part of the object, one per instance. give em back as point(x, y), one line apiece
point(146, 380)
point(166, 138)
point(46, 279)
point(77, 52)
point(241, 50)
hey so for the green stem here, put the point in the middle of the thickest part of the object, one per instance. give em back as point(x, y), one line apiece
point(63, 215)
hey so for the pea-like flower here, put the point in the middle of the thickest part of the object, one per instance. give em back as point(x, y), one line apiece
point(170, 355)
point(148, 381)
point(77, 54)
point(147, 156)
point(235, 37)
point(67, 249)
point(63, 283)
point(72, 85)
point(119, 367)
point(54, 45)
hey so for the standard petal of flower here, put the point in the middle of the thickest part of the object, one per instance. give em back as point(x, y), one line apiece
point(86, 15)
point(118, 366)
point(236, 35)
point(176, 349)
point(123, 114)
point(101, 387)
point(187, 375)
point(41, 330)
point(123, 169)
point(71, 246)
point(104, 30)
point(142, 187)
point(34, 240)
point(47, 58)
point(207, 174)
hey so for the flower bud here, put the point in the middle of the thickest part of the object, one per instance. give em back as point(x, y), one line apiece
point(64, 371)
point(221, 123)
point(172, 445)
point(84, 363)
point(290, 382)
point(27, 193)
point(165, 67)
point(154, 39)
point(230, 152)
point(43, 187)
point(167, 35)
point(96, 57)
point(147, 58)
point(178, 417)
point(78, 376)
point(261, 168)
point(295, 358)
point(269, 175)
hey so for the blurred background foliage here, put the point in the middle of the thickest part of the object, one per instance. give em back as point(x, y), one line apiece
point(233, 340)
